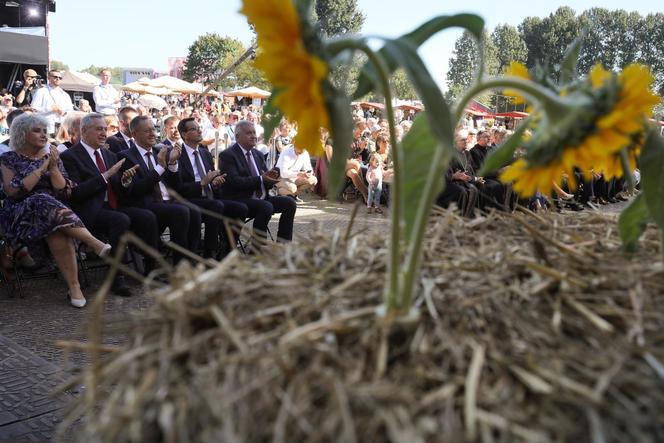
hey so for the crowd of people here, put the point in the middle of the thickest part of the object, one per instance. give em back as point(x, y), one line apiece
point(93, 176)
point(69, 173)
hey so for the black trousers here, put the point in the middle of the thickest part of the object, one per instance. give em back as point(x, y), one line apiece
point(262, 210)
point(214, 227)
point(183, 222)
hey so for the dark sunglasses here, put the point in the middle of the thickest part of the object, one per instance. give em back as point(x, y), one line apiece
point(56, 77)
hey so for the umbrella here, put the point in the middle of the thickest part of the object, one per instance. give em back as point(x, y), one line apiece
point(152, 101)
point(251, 91)
point(175, 84)
point(143, 89)
point(513, 114)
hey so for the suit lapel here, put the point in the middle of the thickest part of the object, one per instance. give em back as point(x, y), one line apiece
point(138, 159)
point(186, 163)
point(82, 154)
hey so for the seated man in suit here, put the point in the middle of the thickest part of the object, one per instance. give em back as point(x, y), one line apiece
point(148, 188)
point(171, 133)
point(200, 185)
point(95, 197)
point(492, 191)
point(122, 140)
point(247, 181)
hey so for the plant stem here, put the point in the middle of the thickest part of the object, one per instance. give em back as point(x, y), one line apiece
point(393, 297)
point(627, 171)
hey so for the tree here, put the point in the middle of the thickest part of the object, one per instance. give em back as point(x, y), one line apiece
point(465, 61)
point(547, 39)
point(402, 87)
point(210, 54)
point(338, 17)
point(509, 46)
point(60, 66)
point(116, 72)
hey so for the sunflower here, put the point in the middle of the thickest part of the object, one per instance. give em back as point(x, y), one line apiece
point(295, 73)
point(516, 69)
point(612, 120)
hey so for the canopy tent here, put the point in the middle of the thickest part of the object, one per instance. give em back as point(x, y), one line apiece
point(78, 81)
point(409, 107)
point(251, 91)
point(479, 113)
point(201, 89)
point(140, 88)
point(24, 45)
point(513, 114)
point(175, 85)
point(372, 105)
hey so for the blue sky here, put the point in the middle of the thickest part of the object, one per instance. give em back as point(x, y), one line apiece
point(140, 33)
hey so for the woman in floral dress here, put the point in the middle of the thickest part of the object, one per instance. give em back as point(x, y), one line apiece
point(35, 184)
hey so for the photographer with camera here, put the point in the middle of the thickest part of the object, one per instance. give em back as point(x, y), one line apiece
point(52, 101)
point(23, 90)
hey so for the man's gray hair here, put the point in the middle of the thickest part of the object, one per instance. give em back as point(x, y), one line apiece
point(21, 126)
point(242, 123)
point(89, 118)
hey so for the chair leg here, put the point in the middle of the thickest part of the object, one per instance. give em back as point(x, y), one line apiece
point(82, 266)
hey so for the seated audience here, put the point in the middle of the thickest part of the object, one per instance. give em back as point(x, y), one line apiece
point(148, 187)
point(95, 199)
point(296, 173)
point(248, 181)
point(35, 186)
point(200, 185)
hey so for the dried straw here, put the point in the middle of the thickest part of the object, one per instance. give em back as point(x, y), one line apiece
point(532, 328)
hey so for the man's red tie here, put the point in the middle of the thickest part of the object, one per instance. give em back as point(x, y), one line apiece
point(112, 198)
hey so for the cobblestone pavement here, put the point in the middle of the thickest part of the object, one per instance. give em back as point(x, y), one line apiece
point(31, 363)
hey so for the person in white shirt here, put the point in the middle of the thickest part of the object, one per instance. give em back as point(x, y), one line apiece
point(52, 101)
point(296, 172)
point(106, 97)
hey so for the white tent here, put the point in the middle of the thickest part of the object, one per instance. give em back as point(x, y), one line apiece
point(78, 81)
point(251, 91)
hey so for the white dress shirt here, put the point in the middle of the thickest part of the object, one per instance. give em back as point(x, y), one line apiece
point(43, 100)
point(127, 140)
point(290, 164)
point(104, 97)
point(253, 161)
point(192, 158)
point(158, 169)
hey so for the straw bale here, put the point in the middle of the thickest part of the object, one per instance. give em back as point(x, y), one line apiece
point(532, 328)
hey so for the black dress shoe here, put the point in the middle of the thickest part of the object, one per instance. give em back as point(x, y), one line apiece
point(119, 287)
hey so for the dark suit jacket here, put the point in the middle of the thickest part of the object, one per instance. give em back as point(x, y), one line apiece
point(140, 192)
point(239, 182)
point(116, 143)
point(87, 197)
point(190, 188)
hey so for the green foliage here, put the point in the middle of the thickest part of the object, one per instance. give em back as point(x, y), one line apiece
point(632, 222)
point(116, 72)
point(509, 46)
point(465, 61)
point(210, 54)
point(60, 66)
point(471, 23)
point(402, 87)
point(652, 178)
point(339, 17)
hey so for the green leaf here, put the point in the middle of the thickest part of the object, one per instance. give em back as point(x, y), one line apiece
point(632, 222)
point(570, 61)
point(505, 152)
point(438, 112)
point(473, 23)
point(418, 147)
point(341, 124)
point(652, 177)
point(274, 113)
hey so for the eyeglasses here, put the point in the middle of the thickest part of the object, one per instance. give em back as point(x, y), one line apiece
point(56, 77)
point(193, 128)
